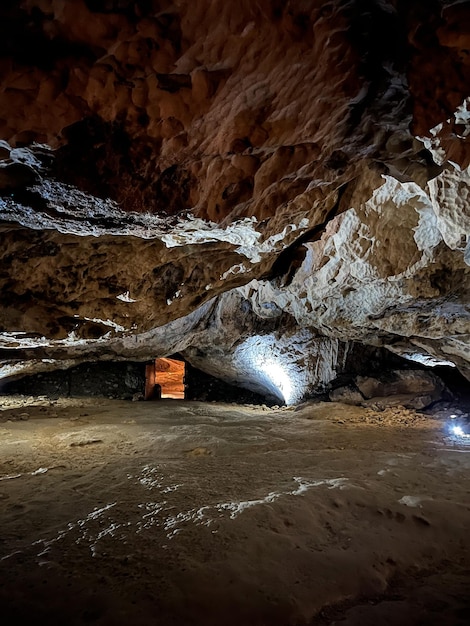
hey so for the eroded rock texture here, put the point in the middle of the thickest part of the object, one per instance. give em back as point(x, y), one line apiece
point(253, 185)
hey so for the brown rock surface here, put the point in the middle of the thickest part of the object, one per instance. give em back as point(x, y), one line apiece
point(225, 108)
point(400, 382)
point(201, 146)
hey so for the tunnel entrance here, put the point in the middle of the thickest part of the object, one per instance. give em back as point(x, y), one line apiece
point(164, 378)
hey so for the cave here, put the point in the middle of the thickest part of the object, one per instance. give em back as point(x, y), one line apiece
point(165, 378)
point(235, 312)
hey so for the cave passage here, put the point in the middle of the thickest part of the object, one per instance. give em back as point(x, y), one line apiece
point(164, 378)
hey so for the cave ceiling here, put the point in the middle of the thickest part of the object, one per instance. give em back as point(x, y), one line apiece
point(259, 186)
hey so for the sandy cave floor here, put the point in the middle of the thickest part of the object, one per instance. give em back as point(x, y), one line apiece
point(183, 513)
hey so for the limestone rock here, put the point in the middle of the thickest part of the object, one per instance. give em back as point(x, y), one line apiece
point(347, 395)
point(413, 389)
point(255, 185)
point(381, 274)
point(19, 167)
point(450, 196)
point(5, 150)
point(408, 401)
point(399, 382)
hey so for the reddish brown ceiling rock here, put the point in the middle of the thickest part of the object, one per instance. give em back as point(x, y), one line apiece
point(439, 67)
point(227, 109)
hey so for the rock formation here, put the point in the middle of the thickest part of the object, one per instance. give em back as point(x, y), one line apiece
point(262, 187)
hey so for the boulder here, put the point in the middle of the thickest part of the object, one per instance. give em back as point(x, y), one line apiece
point(347, 395)
point(414, 389)
point(408, 401)
point(399, 382)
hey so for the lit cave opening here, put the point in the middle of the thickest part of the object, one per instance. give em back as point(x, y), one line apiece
point(165, 378)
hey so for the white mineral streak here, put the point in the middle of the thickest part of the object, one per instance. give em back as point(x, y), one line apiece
point(109, 323)
point(161, 341)
point(97, 215)
point(125, 297)
point(11, 476)
point(21, 340)
point(82, 527)
point(241, 233)
point(450, 196)
point(15, 368)
point(433, 143)
point(422, 359)
point(235, 269)
point(237, 508)
point(462, 117)
point(106, 521)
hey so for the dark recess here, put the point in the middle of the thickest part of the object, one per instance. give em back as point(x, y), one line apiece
point(119, 380)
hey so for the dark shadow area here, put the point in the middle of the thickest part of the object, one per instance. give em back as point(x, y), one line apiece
point(119, 380)
point(207, 388)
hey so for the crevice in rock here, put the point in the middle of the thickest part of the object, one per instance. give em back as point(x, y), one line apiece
point(288, 261)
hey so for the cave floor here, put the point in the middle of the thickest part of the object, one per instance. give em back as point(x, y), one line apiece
point(184, 513)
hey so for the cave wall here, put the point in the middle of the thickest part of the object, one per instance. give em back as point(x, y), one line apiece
point(120, 380)
point(206, 388)
point(247, 184)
